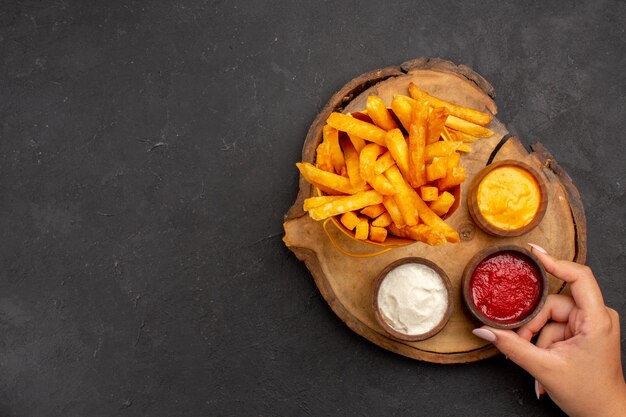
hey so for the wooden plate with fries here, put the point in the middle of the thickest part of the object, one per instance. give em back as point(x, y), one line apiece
point(380, 154)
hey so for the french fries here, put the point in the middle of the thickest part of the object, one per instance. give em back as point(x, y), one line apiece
point(396, 143)
point(436, 124)
point(330, 181)
point(383, 163)
point(381, 117)
point(401, 106)
point(417, 145)
point(349, 220)
point(357, 127)
point(471, 115)
point(374, 211)
point(378, 234)
point(442, 204)
point(452, 121)
point(348, 203)
point(421, 232)
point(429, 194)
point(353, 164)
point(331, 136)
point(387, 178)
point(367, 166)
point(468, 127)
point(403, 197)
point(383, 220)
point(313, 202)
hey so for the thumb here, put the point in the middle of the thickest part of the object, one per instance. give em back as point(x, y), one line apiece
point(533, 359)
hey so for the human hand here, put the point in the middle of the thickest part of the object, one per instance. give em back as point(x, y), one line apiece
point(577, 357)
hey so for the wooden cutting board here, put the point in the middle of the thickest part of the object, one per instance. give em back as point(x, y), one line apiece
point(346, 282)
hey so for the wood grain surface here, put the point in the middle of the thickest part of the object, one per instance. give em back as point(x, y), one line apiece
point(347, 282)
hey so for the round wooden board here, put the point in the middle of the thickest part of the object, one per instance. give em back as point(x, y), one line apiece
point(346, 282)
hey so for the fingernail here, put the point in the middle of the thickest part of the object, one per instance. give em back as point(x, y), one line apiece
point(537, 389)
point(539, 248)
point(485, 334)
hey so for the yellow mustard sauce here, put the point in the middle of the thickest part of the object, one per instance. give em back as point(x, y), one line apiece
point(508, 197)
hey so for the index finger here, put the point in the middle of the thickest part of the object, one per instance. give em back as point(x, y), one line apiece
point(585, 289)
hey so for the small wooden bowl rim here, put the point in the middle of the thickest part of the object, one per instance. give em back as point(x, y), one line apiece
point(482, 255)
point(480, 220)
point(379, 317)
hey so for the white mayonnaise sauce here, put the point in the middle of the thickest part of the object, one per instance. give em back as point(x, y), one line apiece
point(412, 299)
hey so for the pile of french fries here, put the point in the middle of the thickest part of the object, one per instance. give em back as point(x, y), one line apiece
point(392, 171)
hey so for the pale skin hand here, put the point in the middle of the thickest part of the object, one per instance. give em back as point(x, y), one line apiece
point(577, 358)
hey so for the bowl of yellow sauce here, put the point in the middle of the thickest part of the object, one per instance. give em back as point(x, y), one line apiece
point(507, 198)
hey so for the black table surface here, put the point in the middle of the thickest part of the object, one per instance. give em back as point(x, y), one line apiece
point(147, 154)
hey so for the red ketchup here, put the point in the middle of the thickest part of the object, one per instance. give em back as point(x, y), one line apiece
point(505, 287)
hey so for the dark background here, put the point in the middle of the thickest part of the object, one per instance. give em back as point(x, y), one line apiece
point(147, 156)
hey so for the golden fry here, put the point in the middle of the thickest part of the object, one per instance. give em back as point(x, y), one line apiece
point(405, 203)
point(362, 230)
point(349, 220)
point(322, 157)
point(454, 176)
point(331, 136)
point(401, 107)
point(440, 149)
point(353, 165)
point(396, 179)
point(367, 160)
point(436, 124)
point(471, 115)
point(383, 220)
point(378, 234)
point(454, 160)
point(420, 233)
point(357, 142)
point(380, 184)
point(464, 148)
point(379, 114)
point(468, 127)
point(357, 127)
point(429, 193)
point(445, 134)
point(396, 143)
point(348, 203)
point(313, 202)
point(328, 180)
point(384, 162)
point(459, 136)
point(374, 211)
point(403, 198)
point(431, 219)
point(437, 168)
point(394, 211)
point(442, 204)
point(417, 145)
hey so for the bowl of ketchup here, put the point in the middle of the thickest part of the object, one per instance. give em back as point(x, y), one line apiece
point(504, 286)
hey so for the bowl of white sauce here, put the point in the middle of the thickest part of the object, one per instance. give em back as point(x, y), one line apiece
point(412, 299)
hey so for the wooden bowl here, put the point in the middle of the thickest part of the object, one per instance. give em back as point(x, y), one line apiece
point(486, 226)
point(381, 320)
point(482, 255)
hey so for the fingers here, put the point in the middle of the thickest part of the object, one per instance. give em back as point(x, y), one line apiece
point(551, 333)
point(557, 308)
point(584, 286)
point(535, 360)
